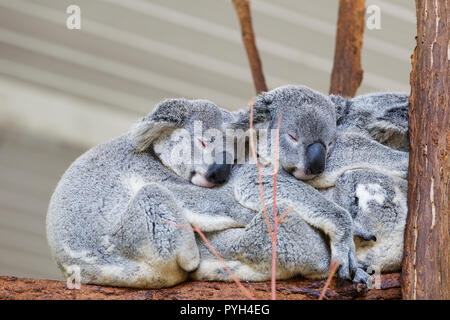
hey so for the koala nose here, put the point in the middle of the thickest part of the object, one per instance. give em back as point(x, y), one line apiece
point(218, 173)
point(315, 158)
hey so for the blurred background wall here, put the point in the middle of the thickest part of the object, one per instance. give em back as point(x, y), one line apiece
point(63, 91)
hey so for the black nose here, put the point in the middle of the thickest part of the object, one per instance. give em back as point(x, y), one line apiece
point(315, 158)
point(219, 172)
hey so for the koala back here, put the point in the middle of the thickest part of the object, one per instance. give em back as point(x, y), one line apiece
point(381, 116)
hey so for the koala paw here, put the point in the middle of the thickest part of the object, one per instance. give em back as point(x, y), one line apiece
point(188, 256)
point(346, 257)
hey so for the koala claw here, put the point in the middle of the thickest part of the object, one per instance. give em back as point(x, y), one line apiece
point(364, 267)
point(361, 277)
point(363, 234)
point(367, 237)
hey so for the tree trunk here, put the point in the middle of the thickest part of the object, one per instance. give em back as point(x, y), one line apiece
point(347, 71)
point(426, 263)
point(243, 11)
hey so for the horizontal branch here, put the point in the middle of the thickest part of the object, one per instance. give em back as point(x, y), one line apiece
point(294, 289)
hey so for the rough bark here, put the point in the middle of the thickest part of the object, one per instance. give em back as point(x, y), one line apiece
point(295, 289)
point(347, 71)
point(242, 8)
point(426, 262)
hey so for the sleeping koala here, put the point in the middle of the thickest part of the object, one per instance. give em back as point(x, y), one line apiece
point(118, 211)
point(378, 206)
point(372, 133)
point(314, 149)
point(366, 174)
point(359, 161)
point(109, 212)
point(381, 116)
point(307, 131)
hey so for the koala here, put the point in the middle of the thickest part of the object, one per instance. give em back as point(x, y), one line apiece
point(318, 129)
point(366, 174)
point(315, 231)
point(110, 211)
point(377, 203)
point(371, 133)
point(118, 213)
point(341, 146)
point(382, 117)
point(307, 133)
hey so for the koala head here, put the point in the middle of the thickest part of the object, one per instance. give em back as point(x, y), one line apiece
point(307, 130)
point(188, 137)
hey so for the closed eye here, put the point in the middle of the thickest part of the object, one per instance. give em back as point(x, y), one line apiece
point(202, 143)
point(292, 137)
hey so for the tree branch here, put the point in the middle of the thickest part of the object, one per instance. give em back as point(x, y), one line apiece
point(347, 72)
point(294, 289)
point(242, 8)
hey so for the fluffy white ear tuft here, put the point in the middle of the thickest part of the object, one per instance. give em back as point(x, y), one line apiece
point(168, 115)
point(144, 133)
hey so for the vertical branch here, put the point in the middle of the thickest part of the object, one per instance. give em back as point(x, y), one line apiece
point(347, 71)
point(426, 261)
point(242, 8)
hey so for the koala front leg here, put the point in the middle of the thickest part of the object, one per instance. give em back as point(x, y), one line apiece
point(312, 207)
point(355, 151)
point(148, 233)
point(247, 251)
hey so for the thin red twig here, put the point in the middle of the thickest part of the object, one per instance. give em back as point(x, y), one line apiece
point(333, 268)
point(275, 213)
point(258, 167)
point(284, 214)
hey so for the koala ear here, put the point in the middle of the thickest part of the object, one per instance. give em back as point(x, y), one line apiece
point(342, 105)
point(261, 113)
point(167, 115)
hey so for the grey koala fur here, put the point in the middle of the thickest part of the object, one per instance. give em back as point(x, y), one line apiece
point(367, 161)
point(380, 116)
point(366, 174)
point(109, 211)
point(307, 117)
point(372, 133)
point(113, 212)
point(378, 206)
point(311, 116)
